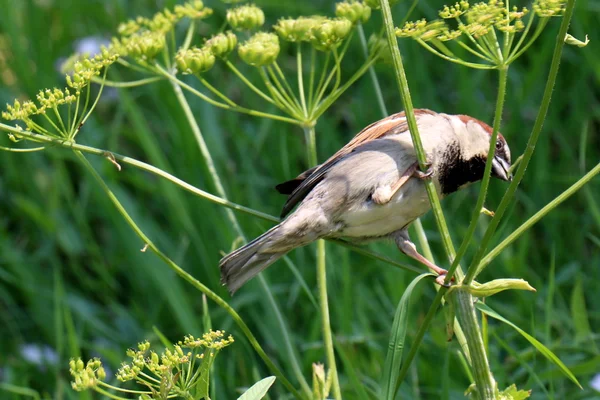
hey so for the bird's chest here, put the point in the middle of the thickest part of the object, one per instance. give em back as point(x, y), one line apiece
point(368, 219)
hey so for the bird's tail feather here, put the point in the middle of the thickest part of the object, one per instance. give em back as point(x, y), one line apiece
point(243, 264)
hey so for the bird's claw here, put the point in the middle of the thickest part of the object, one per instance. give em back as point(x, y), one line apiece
point(424, 174)
point(441, 280)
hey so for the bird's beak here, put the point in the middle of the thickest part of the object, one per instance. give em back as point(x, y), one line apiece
point(500, 169)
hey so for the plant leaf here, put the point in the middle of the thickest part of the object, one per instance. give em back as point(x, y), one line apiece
point(484, 308)
point(579, 313)
point(258, 390)
point(393, 360)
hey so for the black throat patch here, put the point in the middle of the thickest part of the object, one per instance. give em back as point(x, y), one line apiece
point(456, 171)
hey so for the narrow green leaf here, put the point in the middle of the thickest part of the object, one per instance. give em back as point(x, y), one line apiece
point(163, 339)
point(579, 313)
point(393, 360)
point(484, 308)
point(258, 390)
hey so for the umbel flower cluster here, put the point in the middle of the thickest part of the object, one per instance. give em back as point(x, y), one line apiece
point(146, 44)
point(178, 371)
point(478, 27)
point(49, 102)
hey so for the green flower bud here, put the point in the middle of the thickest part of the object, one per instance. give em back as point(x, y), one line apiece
point(352, 10)
point(432, 30)
point(245, 18)
point(194, 60)
point(193, 9)
point(374, 4)
point(330, 33)
point(128, 28)
point(222, 44)
point(454, 11)
point(260, 50)
point(145, 46)
point(549, 8)
point(297, 29)
point(412, 28)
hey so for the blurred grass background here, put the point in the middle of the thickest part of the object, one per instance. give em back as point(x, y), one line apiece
point(73, 281)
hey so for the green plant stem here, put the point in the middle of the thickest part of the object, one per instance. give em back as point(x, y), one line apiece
point(467, 318)
point(376, 86)
point(502, 79)
point(537, 129)
point(175, 81)
point(248, 83)
point(414, 133)
point(210, 165)
point(538, 216)
point(187, 277)
point(129, 84)
point(322, 282)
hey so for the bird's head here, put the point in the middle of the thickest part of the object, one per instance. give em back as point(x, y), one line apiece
point(466, 164)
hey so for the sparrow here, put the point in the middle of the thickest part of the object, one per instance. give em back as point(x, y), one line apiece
point(373, 188)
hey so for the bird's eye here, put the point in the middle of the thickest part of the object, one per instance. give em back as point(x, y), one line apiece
point(499, 145)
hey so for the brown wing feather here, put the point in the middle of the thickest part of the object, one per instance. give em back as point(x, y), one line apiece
point(305, 182)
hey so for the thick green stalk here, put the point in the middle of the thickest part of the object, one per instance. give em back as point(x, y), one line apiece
point(322, 282)
point(467, 318)
point(189, 278)
point(502, 79)
point(537, 129)
point(414, 133)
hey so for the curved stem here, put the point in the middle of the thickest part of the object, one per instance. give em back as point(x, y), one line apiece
point(248, 83)
point(376, 86)
point(502, 79)
point(89, 112)
point(535, 133)
point(453, 59)
point(216, 91)
point(236, 108)
point(322, 282)
point(189, 278)
point(300, 77)
point(129, 84)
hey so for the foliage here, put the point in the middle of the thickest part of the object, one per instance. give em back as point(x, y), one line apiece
point(65, 249)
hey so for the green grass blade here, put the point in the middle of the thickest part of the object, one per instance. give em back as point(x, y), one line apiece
point(579, 313)
point(393, 360)
point(484, 308)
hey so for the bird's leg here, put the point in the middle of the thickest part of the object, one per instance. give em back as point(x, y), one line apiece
point(407, 247)
point(384, 194)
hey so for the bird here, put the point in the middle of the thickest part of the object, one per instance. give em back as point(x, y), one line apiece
point(373, 188)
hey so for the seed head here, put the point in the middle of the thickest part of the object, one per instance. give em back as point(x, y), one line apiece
point(261, 49)
point(297, 29)
point(192, 9)
point(222, 44)
point(329, 33)
point(354, 11)
point(246, 17)
point(194, 60)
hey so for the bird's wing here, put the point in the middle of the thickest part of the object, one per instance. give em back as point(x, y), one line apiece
point(305, 182)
